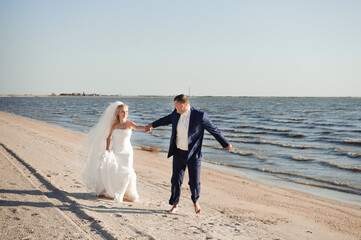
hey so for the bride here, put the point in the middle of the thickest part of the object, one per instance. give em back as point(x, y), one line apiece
point(109, 155)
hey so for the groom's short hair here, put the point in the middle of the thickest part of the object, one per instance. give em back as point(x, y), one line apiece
point(181, 99)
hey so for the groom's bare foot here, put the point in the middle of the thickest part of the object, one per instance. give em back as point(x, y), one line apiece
point(197, 208)
point(174, 209)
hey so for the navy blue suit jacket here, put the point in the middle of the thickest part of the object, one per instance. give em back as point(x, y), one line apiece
point(197, 123)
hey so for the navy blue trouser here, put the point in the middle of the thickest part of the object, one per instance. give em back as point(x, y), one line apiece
point(180, 163)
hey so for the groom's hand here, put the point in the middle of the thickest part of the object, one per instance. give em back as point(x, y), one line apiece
point(148, 128)
point(228, 148)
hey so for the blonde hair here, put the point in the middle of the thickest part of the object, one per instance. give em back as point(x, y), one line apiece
point(116, 119)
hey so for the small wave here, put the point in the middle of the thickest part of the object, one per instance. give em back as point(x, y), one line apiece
point(61, 113)
point(265, 128)
point(309, 127)
point(354, 169)
point(233, 150)
point(325, 124)
point(297, 119)
point(80, 119)
point(79, 123)
point(147, 118)
point(352, 142)
point(222, 118)
point(250, 132)
point(313, 111)
point(162, 129)
point(145, 112)
point(324, 186)
point(293, 135)
point(244, 126)
point(234, 135)
point(157, 134)
point(354, 155)
point(284, 145)
point(285, 134)
point(349, 154)
point(295, 146)
point(262, 158)
point(277, 144)
point(326, 132)
point(238, 151)
point(224, 164)
point(241, 152)
point(285, 121)
point(302, 159)
point(310, 178)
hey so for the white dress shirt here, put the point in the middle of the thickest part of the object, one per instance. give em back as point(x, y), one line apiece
point(182, 130)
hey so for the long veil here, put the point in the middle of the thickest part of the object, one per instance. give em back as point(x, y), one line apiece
point(96, 143)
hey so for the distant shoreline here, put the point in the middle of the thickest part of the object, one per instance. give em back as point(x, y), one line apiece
point(69, 95)
point(165, 96)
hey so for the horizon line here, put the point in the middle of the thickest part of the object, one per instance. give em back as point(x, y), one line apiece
point(151, 95)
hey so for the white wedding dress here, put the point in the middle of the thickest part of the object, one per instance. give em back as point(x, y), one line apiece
point(116, 177)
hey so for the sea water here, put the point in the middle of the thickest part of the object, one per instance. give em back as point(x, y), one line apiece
point(309, 144)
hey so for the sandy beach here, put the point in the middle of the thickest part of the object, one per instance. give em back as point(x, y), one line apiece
point(42, 197)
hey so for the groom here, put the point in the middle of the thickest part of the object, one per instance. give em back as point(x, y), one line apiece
point(188, 126)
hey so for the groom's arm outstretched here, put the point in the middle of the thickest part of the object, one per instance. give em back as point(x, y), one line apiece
point(160, 122)
point(217, 134)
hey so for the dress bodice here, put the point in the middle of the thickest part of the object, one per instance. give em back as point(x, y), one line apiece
point(121, 141)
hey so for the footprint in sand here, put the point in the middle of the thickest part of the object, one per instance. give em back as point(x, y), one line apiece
point(76, 181)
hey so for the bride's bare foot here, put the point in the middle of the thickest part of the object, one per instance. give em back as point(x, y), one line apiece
point(197, 208)
point(174, 209)
point(103, 196)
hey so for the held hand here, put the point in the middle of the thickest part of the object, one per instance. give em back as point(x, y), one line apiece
point(148, 128)
point(228, 148)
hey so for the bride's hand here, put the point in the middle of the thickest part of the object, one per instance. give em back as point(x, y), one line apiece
point(148, 128)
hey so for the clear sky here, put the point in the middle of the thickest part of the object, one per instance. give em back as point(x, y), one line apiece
point(150, 47)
